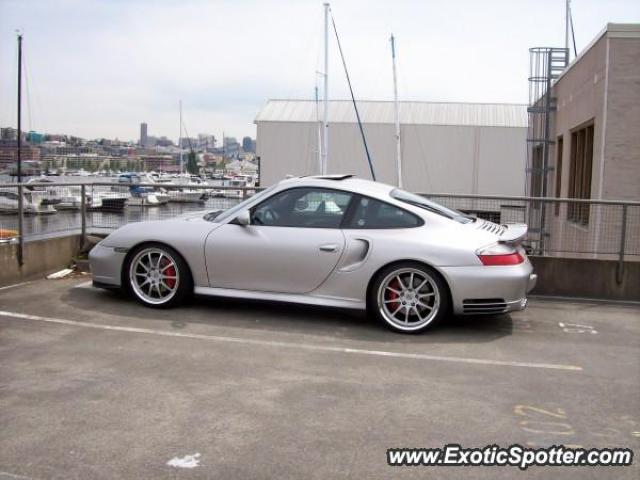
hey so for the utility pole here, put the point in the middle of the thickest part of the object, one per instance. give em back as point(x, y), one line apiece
point(325, 122)
point(397, 113)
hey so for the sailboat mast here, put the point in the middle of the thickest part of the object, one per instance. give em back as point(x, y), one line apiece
point(319, 152)
point(19, 154)
point(180, 138)
point(19, 151)
point(325, 121)
point(567, 15)
point(397, 112)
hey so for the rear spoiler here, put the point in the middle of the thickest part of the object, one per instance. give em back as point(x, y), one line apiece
point(514, 233)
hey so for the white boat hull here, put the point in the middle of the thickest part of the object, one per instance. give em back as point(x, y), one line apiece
point(186, 196)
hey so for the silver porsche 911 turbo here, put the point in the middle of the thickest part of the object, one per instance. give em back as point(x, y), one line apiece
point(335, 241)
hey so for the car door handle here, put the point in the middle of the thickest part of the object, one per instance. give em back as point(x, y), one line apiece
point(331, 247)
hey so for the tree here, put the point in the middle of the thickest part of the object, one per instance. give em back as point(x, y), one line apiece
point(192, 164)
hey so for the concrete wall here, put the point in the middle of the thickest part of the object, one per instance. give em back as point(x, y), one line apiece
point(586, 278)
point(41, 257)
point(436, 158)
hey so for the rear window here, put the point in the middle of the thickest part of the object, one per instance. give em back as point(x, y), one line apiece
point(430, 205)
point(370, 213)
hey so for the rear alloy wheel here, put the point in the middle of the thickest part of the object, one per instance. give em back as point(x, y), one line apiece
point(409, 297)
point(158, 276)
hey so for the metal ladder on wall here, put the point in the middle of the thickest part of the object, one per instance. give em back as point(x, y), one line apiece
point(546, 64)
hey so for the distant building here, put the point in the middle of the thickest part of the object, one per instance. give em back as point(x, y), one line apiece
point(143, 134)
point(164, 142)
point(35, 138)
point(231, 147)
point(188, 143)
point(9, 154)
point(464, 148)
point(241, 167)
point(63, 148)
point(248, 144)
point(159, 163)
point(8, 133)
point(206, 142)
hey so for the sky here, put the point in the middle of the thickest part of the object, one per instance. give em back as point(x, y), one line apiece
point(97, 68)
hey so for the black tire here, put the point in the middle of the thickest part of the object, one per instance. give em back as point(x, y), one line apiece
point(182, 288)
point(381, 302)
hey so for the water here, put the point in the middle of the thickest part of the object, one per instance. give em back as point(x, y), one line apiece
point(101, 221)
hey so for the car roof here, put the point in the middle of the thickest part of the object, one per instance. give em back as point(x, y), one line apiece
point(342, 182)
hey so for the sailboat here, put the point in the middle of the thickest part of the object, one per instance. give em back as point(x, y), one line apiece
point(33, 202)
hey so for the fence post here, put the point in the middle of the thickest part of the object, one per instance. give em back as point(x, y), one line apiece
point(623, 237)
point(20, 225)
point(83, 215)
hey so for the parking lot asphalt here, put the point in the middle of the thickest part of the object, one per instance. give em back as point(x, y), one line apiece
point(93, 385)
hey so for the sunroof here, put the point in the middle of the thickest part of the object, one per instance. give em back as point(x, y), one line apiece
point(334, 177)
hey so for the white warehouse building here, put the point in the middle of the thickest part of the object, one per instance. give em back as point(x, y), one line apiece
point(463, 148)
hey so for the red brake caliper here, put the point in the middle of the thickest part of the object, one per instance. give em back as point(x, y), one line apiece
point(169, 272)
point(393, 295)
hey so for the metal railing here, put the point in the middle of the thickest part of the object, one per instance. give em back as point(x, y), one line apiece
point(599, 229)
point(41, 210)
point(562, 227)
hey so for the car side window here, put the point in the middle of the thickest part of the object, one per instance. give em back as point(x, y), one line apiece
point(303, 207)
point(371, 213)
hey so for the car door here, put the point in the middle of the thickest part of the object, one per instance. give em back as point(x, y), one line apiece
point(292, 244)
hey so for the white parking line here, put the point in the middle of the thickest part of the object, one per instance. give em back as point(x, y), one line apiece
point(13, 475)
point(298, 346)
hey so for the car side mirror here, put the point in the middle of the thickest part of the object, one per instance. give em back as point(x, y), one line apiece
point(244, 218)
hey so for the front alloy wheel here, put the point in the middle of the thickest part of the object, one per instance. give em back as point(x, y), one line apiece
point(410, 297)
point(158, 277)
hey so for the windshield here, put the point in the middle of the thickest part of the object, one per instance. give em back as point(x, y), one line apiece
point(239, 207)
point(422, 202)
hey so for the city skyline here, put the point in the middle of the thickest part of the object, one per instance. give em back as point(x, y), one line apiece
point(137, 59)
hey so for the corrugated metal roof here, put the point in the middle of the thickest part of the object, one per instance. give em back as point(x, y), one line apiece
point(417, 113)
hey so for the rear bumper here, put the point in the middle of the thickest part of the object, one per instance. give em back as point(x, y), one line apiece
point(106, 265)
point(490, 289)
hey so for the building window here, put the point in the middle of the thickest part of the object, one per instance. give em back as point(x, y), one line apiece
point(580, 173)
point(559, 148)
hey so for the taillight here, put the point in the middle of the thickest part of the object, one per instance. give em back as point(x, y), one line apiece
point(500, 254)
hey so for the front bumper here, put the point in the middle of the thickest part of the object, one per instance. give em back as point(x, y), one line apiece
point(106, 265)
point(490, 289)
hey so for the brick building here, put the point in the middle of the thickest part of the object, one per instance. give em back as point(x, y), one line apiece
point(9, 154)
point(595, 142)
